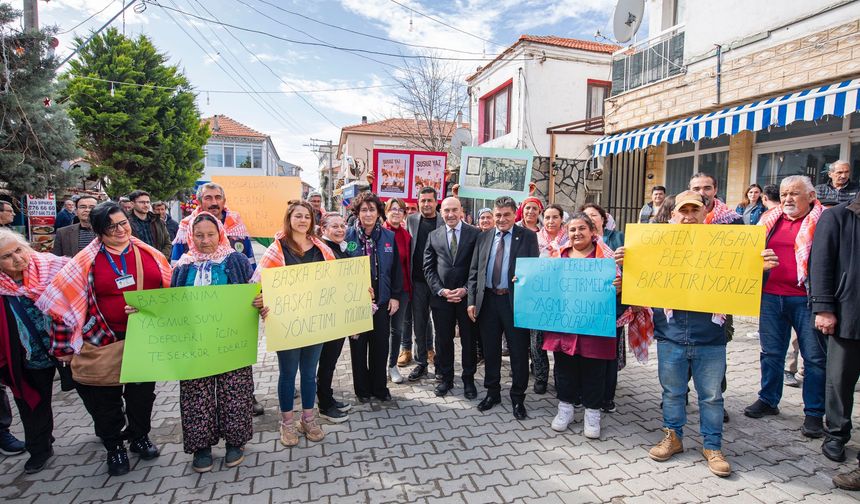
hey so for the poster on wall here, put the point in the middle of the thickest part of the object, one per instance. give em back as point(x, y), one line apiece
point(489, 173)
point(402, 173)
point(41, 218)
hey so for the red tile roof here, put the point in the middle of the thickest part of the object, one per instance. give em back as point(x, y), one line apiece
point(396, 127)
point(568, 43)
point(223, 126)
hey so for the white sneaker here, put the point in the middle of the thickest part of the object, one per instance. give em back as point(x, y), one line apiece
point(563, 418)
point(591, 424)
point(395, 375)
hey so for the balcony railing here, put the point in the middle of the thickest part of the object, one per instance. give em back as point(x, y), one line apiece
point(649, 61)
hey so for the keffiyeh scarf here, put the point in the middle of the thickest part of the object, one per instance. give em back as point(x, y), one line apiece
point(803, 242)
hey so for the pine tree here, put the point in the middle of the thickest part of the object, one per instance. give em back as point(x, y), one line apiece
point(144, 133)
point(36, 135)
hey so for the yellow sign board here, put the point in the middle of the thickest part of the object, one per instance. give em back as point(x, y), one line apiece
point(697, 267)
point(316, 302)
point(260, 201)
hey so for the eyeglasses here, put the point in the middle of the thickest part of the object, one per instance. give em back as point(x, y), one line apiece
point(395, 210)
point(112, 229)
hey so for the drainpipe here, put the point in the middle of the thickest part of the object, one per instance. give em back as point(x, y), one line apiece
point(719, 70)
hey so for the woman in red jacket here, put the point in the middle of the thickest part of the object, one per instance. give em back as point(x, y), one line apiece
point(395, 215)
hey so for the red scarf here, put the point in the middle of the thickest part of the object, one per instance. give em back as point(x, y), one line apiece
point(403, 240)
point(803, 242)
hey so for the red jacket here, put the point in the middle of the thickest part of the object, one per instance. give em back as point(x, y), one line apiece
point(404, 245)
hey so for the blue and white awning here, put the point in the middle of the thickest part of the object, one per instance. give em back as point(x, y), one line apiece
point(807, 105)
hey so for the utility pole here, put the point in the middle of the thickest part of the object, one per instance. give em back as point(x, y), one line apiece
point(324, 148)
point(31, 16)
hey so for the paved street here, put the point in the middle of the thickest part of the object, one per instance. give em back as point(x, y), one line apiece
point(426, 449)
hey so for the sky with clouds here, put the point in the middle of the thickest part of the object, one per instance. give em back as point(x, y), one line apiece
point(305, 59)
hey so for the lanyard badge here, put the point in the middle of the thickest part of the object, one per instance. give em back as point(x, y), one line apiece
point(123, 279)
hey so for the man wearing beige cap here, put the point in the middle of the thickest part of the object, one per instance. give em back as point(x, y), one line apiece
point(692, 343)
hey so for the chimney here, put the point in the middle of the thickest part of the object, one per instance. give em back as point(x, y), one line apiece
point(215, 126)
point(363, 119)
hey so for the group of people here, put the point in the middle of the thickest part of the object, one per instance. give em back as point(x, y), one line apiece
point(438, 278)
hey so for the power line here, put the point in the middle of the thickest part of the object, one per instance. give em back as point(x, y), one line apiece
point(87, 19)
point(362, 34)
point(233, 91)
point(446, 24)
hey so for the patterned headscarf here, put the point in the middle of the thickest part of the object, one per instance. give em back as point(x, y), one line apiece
point(194, 255)
point(42, 269)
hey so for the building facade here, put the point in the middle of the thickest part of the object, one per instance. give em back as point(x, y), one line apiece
point(716, 90)
point(236, 149)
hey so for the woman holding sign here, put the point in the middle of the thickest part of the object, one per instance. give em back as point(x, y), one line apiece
point(217, 406)
point(25, 364)
point(86, 301)
point(296, 244)
point(369, 350)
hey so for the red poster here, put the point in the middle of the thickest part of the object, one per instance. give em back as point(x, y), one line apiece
point(402, 173)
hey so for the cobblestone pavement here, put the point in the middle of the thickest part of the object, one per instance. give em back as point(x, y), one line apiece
point(429, 449)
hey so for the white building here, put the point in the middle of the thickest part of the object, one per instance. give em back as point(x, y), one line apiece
point(236, 149)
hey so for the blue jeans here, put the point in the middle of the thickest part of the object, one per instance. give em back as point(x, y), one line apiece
point(708, 365)
point(291, 361)
point(398, 324)
point(779, 315)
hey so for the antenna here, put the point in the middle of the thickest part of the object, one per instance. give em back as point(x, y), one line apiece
point(627, 18)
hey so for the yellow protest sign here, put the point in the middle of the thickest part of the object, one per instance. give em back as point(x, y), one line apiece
point(316, 302)
point(697, 267)
point(260, 201)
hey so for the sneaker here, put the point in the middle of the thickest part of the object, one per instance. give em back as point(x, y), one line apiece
point(405, 358)
point(591, 424)
point(311, 428)
point(419, 372)
point(144, 447)
point(790, 380)
point(848, 481)
point(202, 460)
point(343, 406)
point(334, 415)
point(813, 427)
point(234, 456)
point(564, 417)
point(289, 434)
point(759, 409)
point(609, 407)
point(38, 462)
point(394, 374)
point(117, 461)
point(10, 445)
point(717, 462)
point(669, 446)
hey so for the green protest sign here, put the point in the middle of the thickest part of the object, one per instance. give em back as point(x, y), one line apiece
point(184, 333)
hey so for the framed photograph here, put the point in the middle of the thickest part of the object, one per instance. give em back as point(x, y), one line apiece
point(403, 173)
point(491, 173)
point(392, 175)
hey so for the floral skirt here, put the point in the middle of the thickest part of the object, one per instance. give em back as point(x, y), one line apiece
point(217, 407)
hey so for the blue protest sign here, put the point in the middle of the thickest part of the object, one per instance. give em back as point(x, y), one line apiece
point(565, 295)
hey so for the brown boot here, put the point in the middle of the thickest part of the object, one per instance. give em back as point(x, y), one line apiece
point(431, 357)
point(670, 445)
point(404, 358)
point(717, 462)
point(848, 481)
point(311, 428)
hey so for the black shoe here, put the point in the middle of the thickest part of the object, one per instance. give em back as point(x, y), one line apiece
point(419, 372)
point(540, 387)
point(385, 397)
point(257, 408)
point(813, 427)
point(117, 461)
point(144, 447)
point(759, 409)
point(609, 407)
point(725, 416)
point(469, 390)
point(848, 481)
point(334, 415)
point(833, 449)
point(488, 402)
point(520, 411)
point(438, 378)
point(38, 462)
point(343, 406)
point(443, 388)
point(364, 399)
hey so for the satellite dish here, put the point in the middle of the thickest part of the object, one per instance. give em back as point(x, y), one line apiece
point(627, 18)
point(462, 138)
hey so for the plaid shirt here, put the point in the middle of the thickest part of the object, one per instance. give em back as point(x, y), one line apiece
point(95, 330)
point(829, 195)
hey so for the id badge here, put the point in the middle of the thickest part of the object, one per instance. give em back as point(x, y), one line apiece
point(124, 281)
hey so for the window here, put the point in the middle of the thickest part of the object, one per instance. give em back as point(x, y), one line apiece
point(258, 157)
point(797, 129)
point(597, 92)
point(496, 121)
point(214, 156)
point(243, 156)
point(811, 161)
point(228, 156)
point(710, 156)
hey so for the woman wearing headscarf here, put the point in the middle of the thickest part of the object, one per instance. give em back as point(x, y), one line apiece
point(528, 215)
point(485, 219)
point(332, 229)
point(296, 244)
point(214, 407)
point(369, 350)
point(86, 302)
point(25, 363)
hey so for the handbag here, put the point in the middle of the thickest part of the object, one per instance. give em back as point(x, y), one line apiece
point(100, 366)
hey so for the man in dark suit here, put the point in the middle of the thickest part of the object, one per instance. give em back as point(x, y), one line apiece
point(420, 226)
point(72, 239)
point(447, 260)
point(491, 303)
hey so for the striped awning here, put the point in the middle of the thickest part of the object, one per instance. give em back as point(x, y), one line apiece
point(808, 105)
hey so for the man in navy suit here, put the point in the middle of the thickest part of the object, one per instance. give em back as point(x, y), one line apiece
point(491, 302)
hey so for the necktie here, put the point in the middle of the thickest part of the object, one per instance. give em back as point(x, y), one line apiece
point(497, 262)
point(453, 246)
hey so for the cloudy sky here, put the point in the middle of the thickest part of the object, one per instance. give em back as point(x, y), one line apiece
point(318, 66)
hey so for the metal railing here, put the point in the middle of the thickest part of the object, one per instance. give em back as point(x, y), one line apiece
point(649, 61)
